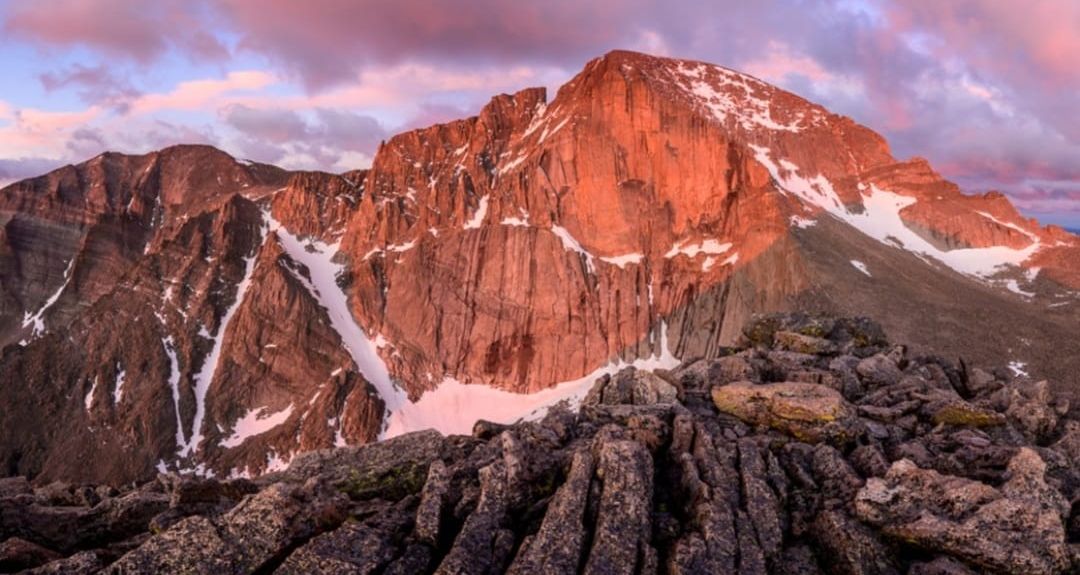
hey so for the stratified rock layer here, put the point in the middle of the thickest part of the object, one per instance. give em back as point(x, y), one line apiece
point(640, 481)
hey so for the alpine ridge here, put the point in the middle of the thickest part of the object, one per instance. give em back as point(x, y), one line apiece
point(187, 311)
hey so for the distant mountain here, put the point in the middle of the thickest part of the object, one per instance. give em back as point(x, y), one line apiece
point(184, 310)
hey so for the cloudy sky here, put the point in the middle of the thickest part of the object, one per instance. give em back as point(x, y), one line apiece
point(988, 90)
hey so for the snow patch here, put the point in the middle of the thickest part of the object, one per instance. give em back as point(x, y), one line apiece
point(453, 407)
point(571, 244)
point(209, 365)
point(538, 119)
point(512, 221)
point(318, 257)
point(334, 423)
point(399, 248)
point(256, 422)
point(803, 223)
point(709, 247)
point(1019, 368)
point(174, 385)
point(38, 319)
point(512, 164)
point(817, 191)
point(118, 390)
point(89, 401)
point(478, 217)
point(1014, 286)
point(275, 462)
point(623, 260)
point(1009, 225)
point(737, 98)
point(547, 133)
point(880, 219)
point(861, 267)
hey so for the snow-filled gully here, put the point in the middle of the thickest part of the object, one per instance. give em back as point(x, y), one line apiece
point(452, 407)
point(881, 220)
point(205, 377)
point(38, 319)
point(318, 258)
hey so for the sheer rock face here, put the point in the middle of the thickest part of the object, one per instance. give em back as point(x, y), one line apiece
point(489, 244)
point(316, 204)
point(116, 390)
point(157, 311)
point(486, 249)
point(626, 486)
point(83, 226)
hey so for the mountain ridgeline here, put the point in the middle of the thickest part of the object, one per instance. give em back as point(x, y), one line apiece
point(185, 311)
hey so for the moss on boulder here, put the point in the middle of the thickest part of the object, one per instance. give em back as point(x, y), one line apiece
point(806, 411)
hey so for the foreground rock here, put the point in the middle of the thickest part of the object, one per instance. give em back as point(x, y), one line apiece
point(806, 411)
point(1016, 528)
point(825, 453)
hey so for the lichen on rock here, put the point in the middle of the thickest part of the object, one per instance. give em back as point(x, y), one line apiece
point(804, 464)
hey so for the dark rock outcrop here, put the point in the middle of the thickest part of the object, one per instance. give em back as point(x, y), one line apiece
point(794, 462)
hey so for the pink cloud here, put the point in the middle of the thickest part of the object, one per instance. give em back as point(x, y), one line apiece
point(337, 39)
point(41, 133)
point(1009, 37)
point(201, 94)
point(95, 85)
point(780, 61)
point(138, 30)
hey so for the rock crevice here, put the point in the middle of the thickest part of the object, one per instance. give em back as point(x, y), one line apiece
point(850, 456)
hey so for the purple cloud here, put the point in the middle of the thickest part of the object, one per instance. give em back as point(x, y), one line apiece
point(319, 141)
point(337, 39)
point(12, 170)
point(141, 31)
point(94, 84)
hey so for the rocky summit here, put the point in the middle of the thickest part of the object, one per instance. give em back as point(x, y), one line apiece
point(816, 446)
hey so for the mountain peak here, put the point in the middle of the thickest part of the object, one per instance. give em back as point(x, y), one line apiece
point(486, 267)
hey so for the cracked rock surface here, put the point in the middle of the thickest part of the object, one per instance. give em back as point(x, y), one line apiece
point(816, 447)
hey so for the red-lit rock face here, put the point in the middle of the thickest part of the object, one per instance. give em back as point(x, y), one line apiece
point(484, 248)
point(171, 316)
